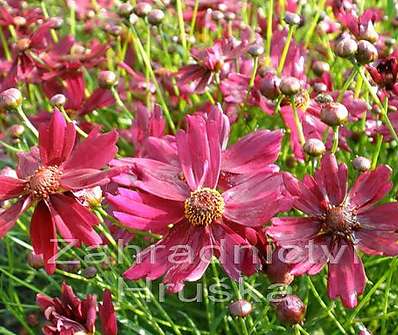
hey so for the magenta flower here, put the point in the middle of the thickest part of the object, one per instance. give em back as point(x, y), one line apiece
point(183, 201)
point(47, 178)
point(68, 315)
point(339, 223)
point(384, 72)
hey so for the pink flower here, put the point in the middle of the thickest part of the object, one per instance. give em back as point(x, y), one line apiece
point(183, 201)
point(68, 315)
point(339, 223)
point(47, 178)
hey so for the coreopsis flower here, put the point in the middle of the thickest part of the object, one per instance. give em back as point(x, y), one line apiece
point(209, 62)
point(183, 201)
point(69, 315)
point(47, 178)
point(338, 225)
point(384, 73)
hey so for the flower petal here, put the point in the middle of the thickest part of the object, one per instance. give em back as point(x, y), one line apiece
point(94, 152)
point(86, 178)
point(374, 242)
point(346, 275)
point(11, 215)
point(78, 219)
point(290, 230)
point(252, 152)
point(28, 163)
point(11, 187)
point(107, 315)
point(56, 140)
point(44, 236)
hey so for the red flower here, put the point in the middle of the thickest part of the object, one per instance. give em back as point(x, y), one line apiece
point(186, 196)
point(338, 224)
point(68, 315)
point(384, 72)
point(47, 178)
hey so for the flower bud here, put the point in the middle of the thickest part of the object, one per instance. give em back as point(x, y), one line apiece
point(290, 309)
point(240, 308)
point(230, 16)
point(314, 147)
point(142, 9)
point(58, 100)
point(32, 319)
point(367, 52)
point(290, 86)
point(368, 32)
point(155, 17)
point(70, 266)
point(320, 67)
point(23, 44)
point(133, 19)
point(125, 9)
point(361, 164)
point(278, 272)
point(269, 86)
point(334, 114)
point(364, 331)
point(19, 21)
point(346, 47)
point(217, 15)
point(323, 98)
point(89, 272)
point(10, 99)
point(292, 19)
point(35, 261)
point(16, 130)
point(255, 50)
point(57, 22)
point(320, 87)
point(107, 79)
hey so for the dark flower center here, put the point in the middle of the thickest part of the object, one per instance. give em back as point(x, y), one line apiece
point(340, 220)
point(45, 181)
point(204, 206)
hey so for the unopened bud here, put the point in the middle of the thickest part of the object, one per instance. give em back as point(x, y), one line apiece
point(292, 19)
point(125, 9)
point(155, 17)
point(334, 114)
point(217, 15)
point(290, 86)
point(35, 261)
point(269, 86)
point(107, 79)
point(16, 130)
point(278, 272)
point(19, 21)
point(142, 9)
point(367, 52)
point(255, 50)
point(10, 99)
point(58, 100)
point(368, 32)
point(290, 309)
point(361, 164)
point(89, 272)
point(23, 44)
point(240, 308)
point(314, 147)
point(320, 67)
point(345, 48)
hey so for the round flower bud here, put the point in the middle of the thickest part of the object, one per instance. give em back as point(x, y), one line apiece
point(292, 19)
point(255, 50)
point(142, 9)
point(346, 47)
point(217, 15)
point(314, 147)
point(334, 114)
point(361, 164)
point(57, 22)
point(16, 130)
point(133, 19)
point(23, 44)
point(58, 100)
point(19, 21)
point(240, 308)
point(89, 272)
point(364, 331)
point(155, 16)
point(367, 52)
point(323, 98)
point(368, 32)
point(290, 86)
point(278, 272)
point(291, 162)
point(230, 16)
point(125, 9)
point(290, 309)
point(320, 67)
point(70, 266)
point(107, 79)
point(114, 29)
point(32, 319)
point(10, 99)
point(320, 87)
point(35, 261)
point(269, 86)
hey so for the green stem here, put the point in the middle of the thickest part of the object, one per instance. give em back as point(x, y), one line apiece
point(297, 122)
point(346, 85)
point(269, 32)
point(313, 24)
point(387, 295)
point(72, 18)
point(193, 21)
point(5, 45)
point(376, 153)
point(285, 50)
point(68, 119)
point(254, 72)
point(335, 139)
point(323, 305)
point(181, 25)
point(27, 121)
point(119, 102)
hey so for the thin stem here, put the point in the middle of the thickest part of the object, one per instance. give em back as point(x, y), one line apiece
point(27, 121)
point(297, 122)
point(335, 139)
point(68, 119)
point(254, 72)
point(269, 33)
point(346, 85)
point(5, 45)
point(323, 305)
point(72, 18)
point(181, 25)
point(387, 295)
point(193, 21)
point(119, 102)
point(285, 50)
point(313, 24)
point(376, 153)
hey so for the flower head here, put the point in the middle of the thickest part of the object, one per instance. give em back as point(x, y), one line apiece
point(339, 222)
